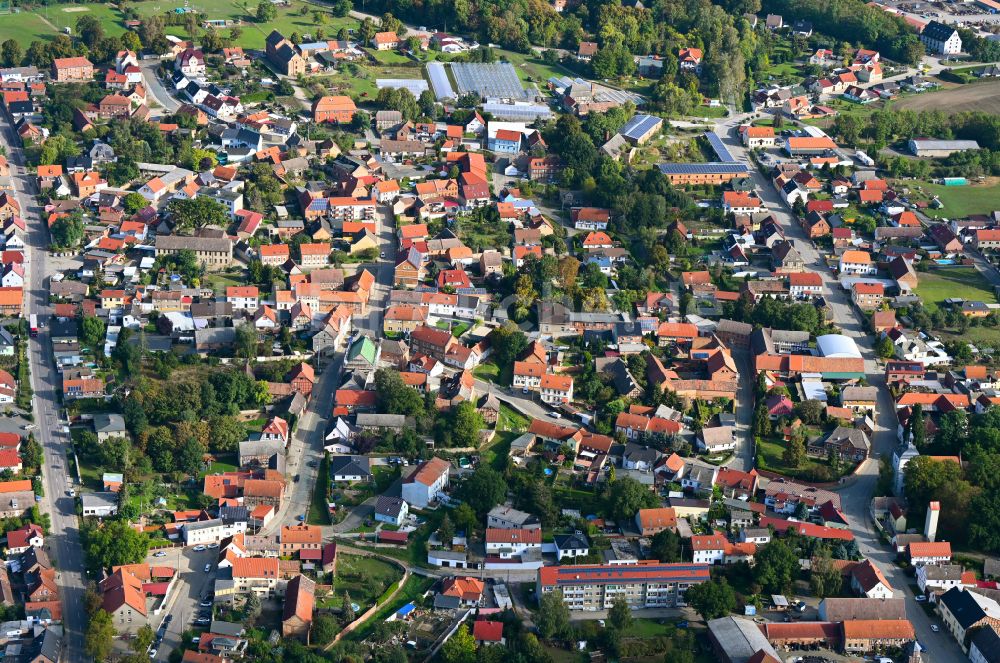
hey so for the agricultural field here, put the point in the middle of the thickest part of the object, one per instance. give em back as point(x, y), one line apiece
point(964, 282)
point(983, 97)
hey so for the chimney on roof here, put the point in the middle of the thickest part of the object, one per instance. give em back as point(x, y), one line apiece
point(931, 521)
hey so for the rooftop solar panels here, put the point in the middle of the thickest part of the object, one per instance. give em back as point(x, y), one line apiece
point(719, 147)
point(498, 79)
point(639, 126)
point(439, 81)
point(702, 168)
point(414, 85)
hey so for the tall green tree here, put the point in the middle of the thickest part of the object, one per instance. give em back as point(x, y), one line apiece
point(553, 616)
point(620, 615)
point(99, 638)
point(712, 599)
point(775, 566)
point(628, 496)
point(484, 489)
point(459, 648)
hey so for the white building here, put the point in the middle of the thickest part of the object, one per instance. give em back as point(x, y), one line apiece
point(205, 532)
point(427, 481)
point(101, 505)
point(507, 543)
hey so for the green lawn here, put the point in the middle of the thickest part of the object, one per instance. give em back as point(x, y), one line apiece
point(412, 590)
point(770, 457)
point(26, 27)
point(532, 68)
point(363, 578)
point(945, 282)
point(222, 463)
point(388, 57)
point(487, 371)
point(510, 419)
point(962, 201)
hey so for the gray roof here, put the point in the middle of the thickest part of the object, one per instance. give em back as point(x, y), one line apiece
point(740, 638)
point(349, 466)
point(987, 641)
point(388, 506)
point(575, 541)
point(109, 423)
point(931, 144)
point(859, 394)
point(857, 437)
point(261, 448)
point(366, 420)
point(442, 602)
point(944, 571)
point(703, 168)
point(234, 514)
point(99, 499)
point(203, 524)
point(968, 608)
point(226, 628)
point(640, 453)
point(839, 610)
point(179, 243)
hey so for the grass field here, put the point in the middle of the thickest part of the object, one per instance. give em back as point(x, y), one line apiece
point(975, 97)
point(770, 457)
point(964, 282)
point(26, 27)
point(961, 201)
point(363, 578)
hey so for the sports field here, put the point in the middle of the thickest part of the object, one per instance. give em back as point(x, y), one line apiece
point(961, 201)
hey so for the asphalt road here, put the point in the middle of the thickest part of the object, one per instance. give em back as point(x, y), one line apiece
point(156, 88)
point(64, 542)
point(857, 493)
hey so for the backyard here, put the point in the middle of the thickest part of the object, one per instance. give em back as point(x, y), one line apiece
point(364, 579)
point(770, 456)
point(965, 282)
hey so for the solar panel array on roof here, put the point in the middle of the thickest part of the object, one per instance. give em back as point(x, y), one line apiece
point(638, 126)
point(439, 81)
point(498, 79)
point(702, 168)
point(719, 147)
point(414, 85)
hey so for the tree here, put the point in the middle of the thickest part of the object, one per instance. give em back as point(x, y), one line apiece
point(666, 546)
point(484, 489)
point(446, 531)
point(92, 330)
point(795, 451)
point(11, 53)
point(31, 453)
point(227, 433)
point(628, 496)
point(133, 202)
point(198, 213)
point(114, 544)
point(67, 231)
point(553, 616)
point(466, 423)
point(427, 103)
point(143, 639)
point(809, 411)
point(918, 429)
point(99, 638)
point(761, 421)
point(776, 566)
point(459, 648)
point(885, 348)
point(324, 628)
point(508, 343)
point(620, 615)
point(712, 599)
point(266, 12)
point(245, 342)
point(253, 606)
point(347, 609)
point(90, 30)
point(825, 578)
point(395, 396)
